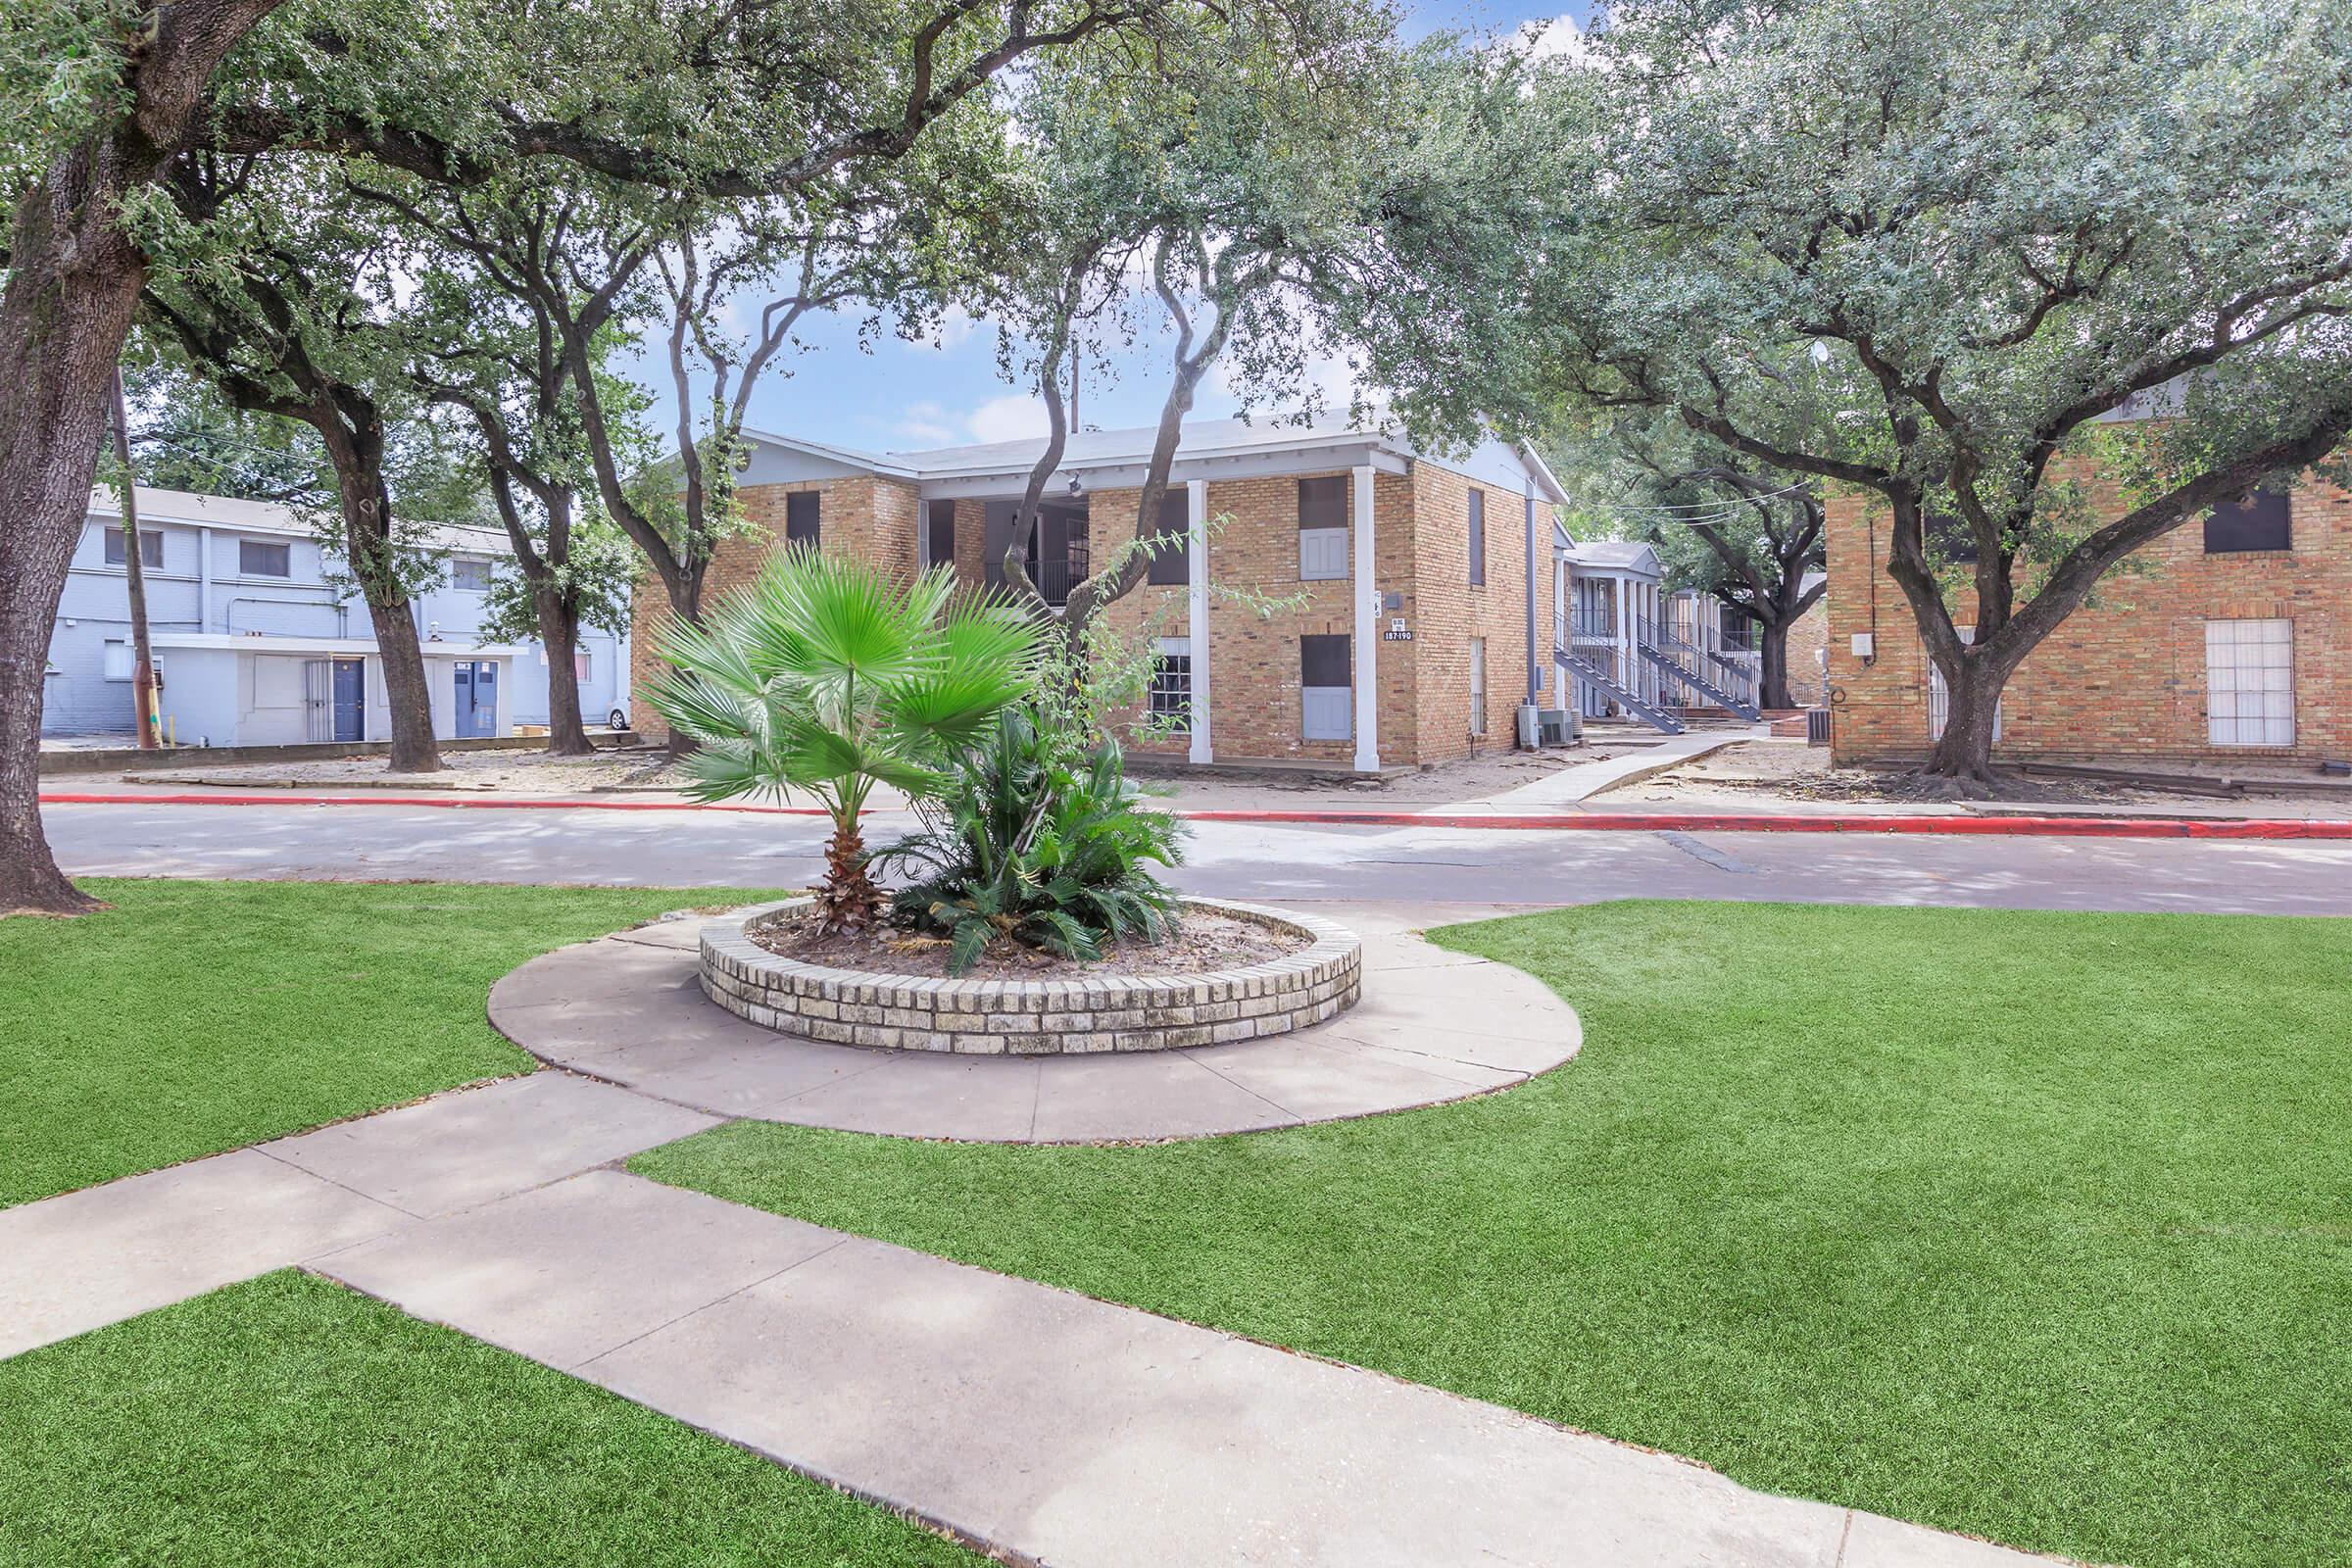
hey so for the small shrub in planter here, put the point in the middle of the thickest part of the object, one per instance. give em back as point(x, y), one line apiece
point(1040, 840)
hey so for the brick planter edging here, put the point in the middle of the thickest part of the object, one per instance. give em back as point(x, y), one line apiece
point(1036, 1017)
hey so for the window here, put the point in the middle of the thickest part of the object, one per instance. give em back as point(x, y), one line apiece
point(259, 559)
point(467, 575)
point(2260, 521)
point(1478, 542)
point(1478, 683)
point(1326, 703)
point(1940, 696)
point(2250, 682)
point(1949, 538)
point(583, 667)
point(119, 663)
point(801, 510)
point(1172, 557)
point(1172, 695)
point(938, 534)
point(1322, 529)
point(151, 551)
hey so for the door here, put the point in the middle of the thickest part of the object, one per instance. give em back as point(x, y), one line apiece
point(1326, 691)
point(350, 699)
point(477, 699)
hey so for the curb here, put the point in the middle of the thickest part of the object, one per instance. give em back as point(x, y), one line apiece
point(2097, 827)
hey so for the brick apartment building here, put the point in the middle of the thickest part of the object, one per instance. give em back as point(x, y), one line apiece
point(2228, 641)
point(1417, 624)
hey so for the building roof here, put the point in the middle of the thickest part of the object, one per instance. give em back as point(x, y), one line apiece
point(1617, 555)
point(187, 507)
point(1208, 442)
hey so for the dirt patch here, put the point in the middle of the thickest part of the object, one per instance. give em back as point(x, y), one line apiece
point(1751, 773)
point(1202, 941)
point(1472, 779)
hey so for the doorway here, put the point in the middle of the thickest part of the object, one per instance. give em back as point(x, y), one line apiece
point(477, 699)
point(349, 699)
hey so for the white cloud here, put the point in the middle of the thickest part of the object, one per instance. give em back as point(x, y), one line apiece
point(1560, 38)
point(1013, 416)
point(929, 425)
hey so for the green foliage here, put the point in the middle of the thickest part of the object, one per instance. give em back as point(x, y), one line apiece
point(824, 674)
point(598, 575)
point(1038, 839)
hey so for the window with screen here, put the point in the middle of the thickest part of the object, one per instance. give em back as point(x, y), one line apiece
point(1327, 708)
point(938, 534)
point(2250, 682)
point(1478, 538)
point(1172, 556)
point(1323, 528)
point(1170, 699)
point(469, 576)
point(2259, 522)
point(258, 557)
point(151, 550)
point(801, 518)
point(1950, 538)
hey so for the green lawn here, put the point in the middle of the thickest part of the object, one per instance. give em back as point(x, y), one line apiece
point(2036, 1226)
point(197, 1016)
point(288, 1421)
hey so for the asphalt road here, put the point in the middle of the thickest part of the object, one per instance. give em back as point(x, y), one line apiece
point(1412, 867)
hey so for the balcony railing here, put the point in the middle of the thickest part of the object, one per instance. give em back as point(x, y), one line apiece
point(1054, 578)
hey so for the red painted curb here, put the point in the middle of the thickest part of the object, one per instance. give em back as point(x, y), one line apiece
point(2101, 827)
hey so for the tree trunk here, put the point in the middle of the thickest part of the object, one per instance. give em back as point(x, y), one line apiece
point(559, 635)
point(357, 449)
point(63, 318)
point(1772, 676)
point(1963, 753)
point(848, 901)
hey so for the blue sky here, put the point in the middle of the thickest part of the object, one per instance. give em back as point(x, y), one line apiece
point(893, 395)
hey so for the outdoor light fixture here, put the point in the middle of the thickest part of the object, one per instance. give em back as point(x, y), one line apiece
point(1076, 489)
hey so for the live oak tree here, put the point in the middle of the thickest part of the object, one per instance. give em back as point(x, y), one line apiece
point(99, 99)
point(1745, 534)
point(284, 296)
point(1219, 179)
point(1988, 226)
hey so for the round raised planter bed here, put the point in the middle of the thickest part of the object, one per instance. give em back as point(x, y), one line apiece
point(1036, 1017)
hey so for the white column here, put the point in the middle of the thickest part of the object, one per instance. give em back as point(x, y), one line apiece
point(1196, 506)
point(1624, 634)
point(1364, 580)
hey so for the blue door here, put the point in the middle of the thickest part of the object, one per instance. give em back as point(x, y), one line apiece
point(477, 699)
point(350, 699)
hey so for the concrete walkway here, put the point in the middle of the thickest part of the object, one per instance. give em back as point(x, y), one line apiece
point(1433, 1026)
point(1571, 786)
point(1036, 1424)
point(1055, 1429)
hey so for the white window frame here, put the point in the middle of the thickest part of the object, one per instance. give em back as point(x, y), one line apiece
point(1940, 697)
point(114, 550)
point(469, 560)
point(2250, 703)
point(1170, 696)
point(245, 570)
point(120, 662)
point(1478, 686)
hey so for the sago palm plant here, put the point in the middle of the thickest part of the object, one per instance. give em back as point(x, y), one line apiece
point(826, 675)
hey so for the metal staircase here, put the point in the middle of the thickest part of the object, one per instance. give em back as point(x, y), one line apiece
point(1601, 680)
point(1674, 669)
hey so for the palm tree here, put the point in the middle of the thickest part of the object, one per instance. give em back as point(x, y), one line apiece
point(826, 675)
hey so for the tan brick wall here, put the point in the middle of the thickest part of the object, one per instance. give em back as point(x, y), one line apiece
point(2125, 676)
point(1806, 640)
point(1420, 524)
point(871, 517)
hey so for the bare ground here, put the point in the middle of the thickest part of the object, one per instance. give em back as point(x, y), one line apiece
point(1787, 774)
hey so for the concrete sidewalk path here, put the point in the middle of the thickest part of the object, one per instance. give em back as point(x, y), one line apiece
point(1571, 786)
point(1054, 1428)
point(85, 1260)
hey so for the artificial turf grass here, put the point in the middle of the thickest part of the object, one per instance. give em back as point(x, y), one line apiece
point(2033, 1226)
point(290, 1421)
point(193, 1018)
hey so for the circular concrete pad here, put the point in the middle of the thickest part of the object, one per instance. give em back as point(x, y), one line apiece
point(1432, 1026)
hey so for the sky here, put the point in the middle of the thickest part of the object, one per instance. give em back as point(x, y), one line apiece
point(891, 395)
